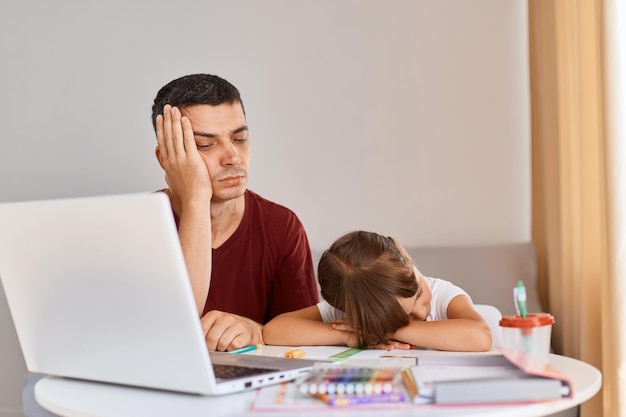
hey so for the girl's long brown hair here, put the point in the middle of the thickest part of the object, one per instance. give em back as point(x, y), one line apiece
point(362, 274)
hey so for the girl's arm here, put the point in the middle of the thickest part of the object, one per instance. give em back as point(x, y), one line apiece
point(464, 330)
point(303, 327)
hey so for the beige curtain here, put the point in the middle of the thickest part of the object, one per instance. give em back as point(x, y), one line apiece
point(576, 213)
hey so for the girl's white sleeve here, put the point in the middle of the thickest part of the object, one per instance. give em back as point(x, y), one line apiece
point(443, 292)
point(328, 312)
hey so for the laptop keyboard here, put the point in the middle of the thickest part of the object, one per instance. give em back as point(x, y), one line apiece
point(232, 371)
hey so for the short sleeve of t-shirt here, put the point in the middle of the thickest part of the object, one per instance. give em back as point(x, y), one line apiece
point(328, 312)
point(443, 292)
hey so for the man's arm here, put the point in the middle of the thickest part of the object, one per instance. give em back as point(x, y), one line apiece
point(190, 191)
point(194, 231)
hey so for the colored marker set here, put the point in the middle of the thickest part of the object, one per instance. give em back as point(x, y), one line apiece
point(342, 385)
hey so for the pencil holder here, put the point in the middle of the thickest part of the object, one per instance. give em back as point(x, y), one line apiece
point(530, 334)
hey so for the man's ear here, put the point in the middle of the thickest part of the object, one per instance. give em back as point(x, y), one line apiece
point(157, 152)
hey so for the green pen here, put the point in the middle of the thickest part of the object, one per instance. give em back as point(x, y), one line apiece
point(519, 295)
point(246, 349)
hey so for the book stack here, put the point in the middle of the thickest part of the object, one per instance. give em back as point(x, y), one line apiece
point(344, 384)
point(514, 376)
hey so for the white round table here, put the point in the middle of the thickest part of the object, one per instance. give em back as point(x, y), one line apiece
point(74, 398)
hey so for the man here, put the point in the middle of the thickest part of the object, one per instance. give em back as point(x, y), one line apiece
point(248, 258)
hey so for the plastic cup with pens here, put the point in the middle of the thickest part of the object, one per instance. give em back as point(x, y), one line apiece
point(528, 332)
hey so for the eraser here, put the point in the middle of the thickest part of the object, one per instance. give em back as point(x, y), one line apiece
point(295, 353)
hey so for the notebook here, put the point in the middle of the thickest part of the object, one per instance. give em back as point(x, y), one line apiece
point(98, 290)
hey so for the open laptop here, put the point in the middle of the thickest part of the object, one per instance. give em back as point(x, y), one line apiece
point(98, 290)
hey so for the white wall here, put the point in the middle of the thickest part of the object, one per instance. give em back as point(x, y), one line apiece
point(407, 117)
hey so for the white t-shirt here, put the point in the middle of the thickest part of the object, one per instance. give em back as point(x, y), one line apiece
point(443, 292)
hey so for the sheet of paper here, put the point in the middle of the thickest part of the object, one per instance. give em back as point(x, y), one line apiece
point(428, 353)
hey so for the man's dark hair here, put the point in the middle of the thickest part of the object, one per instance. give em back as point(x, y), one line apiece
point(195, 89)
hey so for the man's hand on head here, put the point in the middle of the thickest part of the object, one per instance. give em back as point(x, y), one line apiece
point(186, 172)
point(225, 331)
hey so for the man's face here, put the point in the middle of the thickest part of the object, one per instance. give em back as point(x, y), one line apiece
point(222, 138)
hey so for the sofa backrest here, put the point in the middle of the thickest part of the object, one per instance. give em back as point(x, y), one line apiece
point(488, 273)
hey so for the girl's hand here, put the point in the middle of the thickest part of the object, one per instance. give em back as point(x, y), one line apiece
point(347, 332)
point(392, 344)
point(351, 339)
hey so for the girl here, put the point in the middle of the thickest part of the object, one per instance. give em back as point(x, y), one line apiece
point(374, 296)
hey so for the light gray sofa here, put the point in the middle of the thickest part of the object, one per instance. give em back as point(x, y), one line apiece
point(487, 272)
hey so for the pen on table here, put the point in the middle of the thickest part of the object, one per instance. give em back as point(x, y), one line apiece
point(246, 349)
point(519, 294)
point(409, 382)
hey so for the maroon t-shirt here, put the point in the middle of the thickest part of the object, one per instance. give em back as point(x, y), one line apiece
point(265, 268)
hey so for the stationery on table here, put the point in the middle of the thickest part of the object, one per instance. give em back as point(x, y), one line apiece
point(287, 399)
point(246, 349)
point(348, 400)
point(520, 377)
point(294, 353)
point(351, 384)
point(345, 354)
